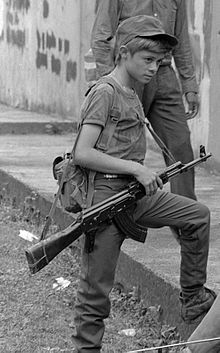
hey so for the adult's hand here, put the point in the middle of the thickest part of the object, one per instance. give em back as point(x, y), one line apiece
point(193, 104)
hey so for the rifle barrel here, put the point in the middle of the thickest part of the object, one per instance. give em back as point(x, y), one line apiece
point(186, 167)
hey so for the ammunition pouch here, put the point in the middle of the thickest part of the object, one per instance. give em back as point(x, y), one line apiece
point(73, 195)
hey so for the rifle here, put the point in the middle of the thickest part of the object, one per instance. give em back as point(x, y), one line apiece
point(87, 221)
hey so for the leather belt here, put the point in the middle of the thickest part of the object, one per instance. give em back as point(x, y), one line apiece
point(112, 176)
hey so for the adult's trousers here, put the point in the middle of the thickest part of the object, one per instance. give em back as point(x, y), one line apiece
point(164, 108)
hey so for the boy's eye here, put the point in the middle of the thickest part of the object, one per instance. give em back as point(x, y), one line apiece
point(148, 60)
point(151, 60)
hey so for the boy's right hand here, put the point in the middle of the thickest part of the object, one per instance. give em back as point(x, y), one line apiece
point(150, 181)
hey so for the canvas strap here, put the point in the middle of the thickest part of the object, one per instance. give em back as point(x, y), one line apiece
point(160, 143)
point(106, 134)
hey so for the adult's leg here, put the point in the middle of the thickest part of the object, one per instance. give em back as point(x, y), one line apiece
point(163, 106)
point(96, 281)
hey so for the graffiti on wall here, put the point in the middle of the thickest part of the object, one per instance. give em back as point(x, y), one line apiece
point(52, 49)
point(15, 33)
point(52, 53)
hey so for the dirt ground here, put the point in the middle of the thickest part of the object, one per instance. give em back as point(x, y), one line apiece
point(36, 313)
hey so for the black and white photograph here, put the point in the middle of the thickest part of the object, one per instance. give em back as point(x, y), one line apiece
point(109, 176)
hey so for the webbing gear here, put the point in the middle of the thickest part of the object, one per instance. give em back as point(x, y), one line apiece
point(107, 132)
point(113, 117)
point(102, 144)
point(110, 127)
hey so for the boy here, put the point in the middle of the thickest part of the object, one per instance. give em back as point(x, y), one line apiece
point(141, 44)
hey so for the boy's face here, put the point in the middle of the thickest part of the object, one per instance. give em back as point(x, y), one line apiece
point(143, 65)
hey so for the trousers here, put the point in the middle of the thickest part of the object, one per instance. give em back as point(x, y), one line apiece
point(98, 267)
point(163, 106)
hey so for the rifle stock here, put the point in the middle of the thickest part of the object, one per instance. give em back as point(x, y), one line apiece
point(40, 254)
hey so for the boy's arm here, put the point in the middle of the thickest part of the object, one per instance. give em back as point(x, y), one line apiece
point(87, 156)
point(104, 28)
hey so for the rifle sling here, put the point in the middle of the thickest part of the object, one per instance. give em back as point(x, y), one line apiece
point(129, 227)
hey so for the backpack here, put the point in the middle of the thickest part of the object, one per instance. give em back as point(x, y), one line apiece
point(76, 183)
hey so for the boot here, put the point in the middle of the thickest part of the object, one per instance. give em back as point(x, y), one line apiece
point(192, 308)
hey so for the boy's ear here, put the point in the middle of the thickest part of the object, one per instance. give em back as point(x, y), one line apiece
point(123, 51)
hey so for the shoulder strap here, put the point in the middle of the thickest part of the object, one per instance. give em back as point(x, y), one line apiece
point(165, 150)
point(113, 116)
point(112, 120)
point(106, 134)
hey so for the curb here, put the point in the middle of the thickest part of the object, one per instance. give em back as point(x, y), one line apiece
point(130, 273)
point(23, 128)
point(19, 192)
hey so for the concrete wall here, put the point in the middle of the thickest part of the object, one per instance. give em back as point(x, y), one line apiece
point(204, 27)
point(42, 45)
point(197, 30)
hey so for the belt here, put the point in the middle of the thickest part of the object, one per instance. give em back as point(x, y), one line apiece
point(100, 175)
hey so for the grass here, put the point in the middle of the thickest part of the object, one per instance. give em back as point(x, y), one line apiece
point(37, 318)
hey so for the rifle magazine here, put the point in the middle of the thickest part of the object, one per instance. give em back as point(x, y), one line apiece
point(129, 227)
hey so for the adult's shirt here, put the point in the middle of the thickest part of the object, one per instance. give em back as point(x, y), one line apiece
point(129, 138)
point(172, 14)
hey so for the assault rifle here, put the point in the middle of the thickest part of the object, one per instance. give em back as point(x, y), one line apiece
point(87, 221)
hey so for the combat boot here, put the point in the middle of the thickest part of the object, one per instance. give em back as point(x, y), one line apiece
point(194, 307)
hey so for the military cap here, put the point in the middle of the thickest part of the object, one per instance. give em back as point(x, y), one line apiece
point(142, 26)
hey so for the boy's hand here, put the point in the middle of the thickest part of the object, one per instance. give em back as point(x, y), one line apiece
point(150, 181)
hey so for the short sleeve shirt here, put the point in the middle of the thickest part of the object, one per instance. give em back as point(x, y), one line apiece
point(129, 138)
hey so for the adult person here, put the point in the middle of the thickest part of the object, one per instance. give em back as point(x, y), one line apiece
point(162, 97)
point(141, 45)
